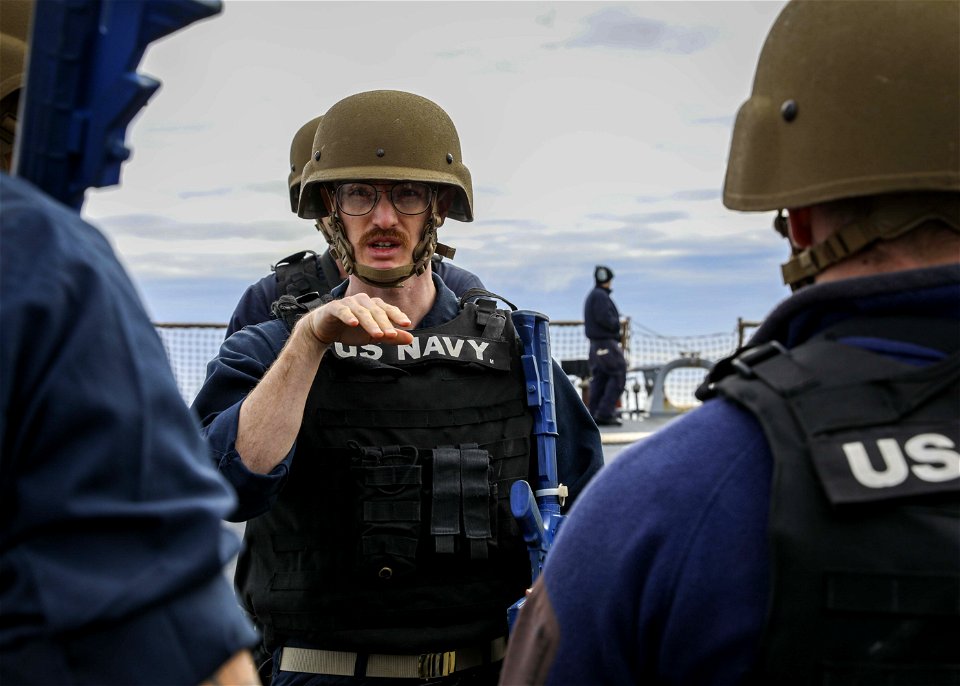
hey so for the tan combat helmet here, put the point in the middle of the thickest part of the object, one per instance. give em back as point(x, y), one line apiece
point(854, 98)
point(393, 136)
point(14, 25)
point(300, 151)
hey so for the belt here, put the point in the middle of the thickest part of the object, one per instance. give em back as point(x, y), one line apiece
point(424, 666)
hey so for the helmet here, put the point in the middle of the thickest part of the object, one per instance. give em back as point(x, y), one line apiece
point(850, 99)
point(14, 25)
point(855, 98)
point(393, 136)
point(300, 150)
point(388, 135)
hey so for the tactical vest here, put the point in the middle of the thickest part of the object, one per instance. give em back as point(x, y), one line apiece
point(865, 504)
point(393, 532)
point(306, 272)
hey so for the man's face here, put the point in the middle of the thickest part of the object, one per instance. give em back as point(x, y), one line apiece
point(384, 237)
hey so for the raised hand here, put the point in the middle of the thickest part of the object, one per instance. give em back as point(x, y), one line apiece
point(357, 320)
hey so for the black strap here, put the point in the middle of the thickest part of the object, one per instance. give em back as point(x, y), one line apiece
point(445, 519)
point(475, 484)
point(290, 309)
point(474, 293)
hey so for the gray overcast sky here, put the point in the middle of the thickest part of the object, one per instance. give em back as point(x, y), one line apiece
point(596, 133)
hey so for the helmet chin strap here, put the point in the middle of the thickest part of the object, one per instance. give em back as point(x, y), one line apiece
point(894, 219)
point(383, 278)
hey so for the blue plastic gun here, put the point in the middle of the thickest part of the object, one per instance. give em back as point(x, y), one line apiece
point(538, 512)
point(82, 88)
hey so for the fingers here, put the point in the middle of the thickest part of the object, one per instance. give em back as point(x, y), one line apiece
point(360, 318)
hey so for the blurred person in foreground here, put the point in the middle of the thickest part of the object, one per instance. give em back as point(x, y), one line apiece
point(112, 545)
point(307, 272)
point(608, 366)
point(373, 434)
point(801, 527)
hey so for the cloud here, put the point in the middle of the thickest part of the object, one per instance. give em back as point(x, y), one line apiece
point(725, 121)
point(617, 28)
point(180, 128)
point(455, 54)
point(642, 218)
point(501, 223)
point(697, 194)
point(547, 19)
point(272, 187)
point(186, 195)
point(489, 190)
point(158, 226)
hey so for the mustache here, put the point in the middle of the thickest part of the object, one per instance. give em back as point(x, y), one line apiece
point(390, 235)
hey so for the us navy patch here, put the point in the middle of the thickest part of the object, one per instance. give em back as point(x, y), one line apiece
point(894, 462)
point(432, 347)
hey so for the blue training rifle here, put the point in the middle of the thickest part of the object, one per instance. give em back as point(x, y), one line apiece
point(538, 513)
point(82, 88)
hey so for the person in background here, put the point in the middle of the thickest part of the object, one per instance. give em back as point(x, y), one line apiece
point(112, 546)
point(608, 366)
point(305, 271)
point(374, 434)
point(801, 526)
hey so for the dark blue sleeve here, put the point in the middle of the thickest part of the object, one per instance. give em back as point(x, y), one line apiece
point(112, 539)
point(660, 573)
point(254, 305)
point(242, 361)
point(457, 279)
point(579, 452)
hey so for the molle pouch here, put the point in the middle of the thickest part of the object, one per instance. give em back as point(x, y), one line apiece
point(388, 483)
point(463, 491)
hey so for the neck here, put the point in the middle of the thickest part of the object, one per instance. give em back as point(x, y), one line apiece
point(415, 296)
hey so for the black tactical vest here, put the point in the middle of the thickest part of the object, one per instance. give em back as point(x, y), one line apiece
point(393, 532)
point(306, 272)
point(865, 505)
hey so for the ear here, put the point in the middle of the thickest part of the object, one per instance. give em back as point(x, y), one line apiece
point(801, 233)
point(445, 197)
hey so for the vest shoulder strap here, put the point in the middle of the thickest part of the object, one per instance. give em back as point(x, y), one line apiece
point(305, 272)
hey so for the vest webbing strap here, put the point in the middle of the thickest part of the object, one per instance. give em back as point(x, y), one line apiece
point(445, 519)
point(474, 481)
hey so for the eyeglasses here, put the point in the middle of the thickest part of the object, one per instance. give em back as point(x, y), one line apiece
point(408, 197)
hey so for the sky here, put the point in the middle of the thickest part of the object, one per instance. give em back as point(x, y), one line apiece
point(596, 133)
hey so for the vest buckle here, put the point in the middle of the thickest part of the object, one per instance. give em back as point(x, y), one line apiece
point(436, 665)
point(745, 361)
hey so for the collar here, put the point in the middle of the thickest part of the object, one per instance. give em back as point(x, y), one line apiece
point(932, 292)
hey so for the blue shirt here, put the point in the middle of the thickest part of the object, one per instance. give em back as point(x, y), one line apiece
point(245, 356)
point(601, 319)
point(112, 540)
point(661, 573)
point(255, 303)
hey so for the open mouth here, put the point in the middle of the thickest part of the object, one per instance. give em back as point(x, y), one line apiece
point(385, 243)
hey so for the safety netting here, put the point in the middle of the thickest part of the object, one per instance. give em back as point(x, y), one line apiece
point(191, 346)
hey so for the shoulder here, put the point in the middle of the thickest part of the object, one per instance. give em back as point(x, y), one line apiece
point(694, 482)
point(685, 463)
point(45, 231)
point(674, 525)
point(457, 278)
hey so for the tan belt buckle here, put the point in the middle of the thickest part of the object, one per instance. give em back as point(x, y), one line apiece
point(434, 665)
